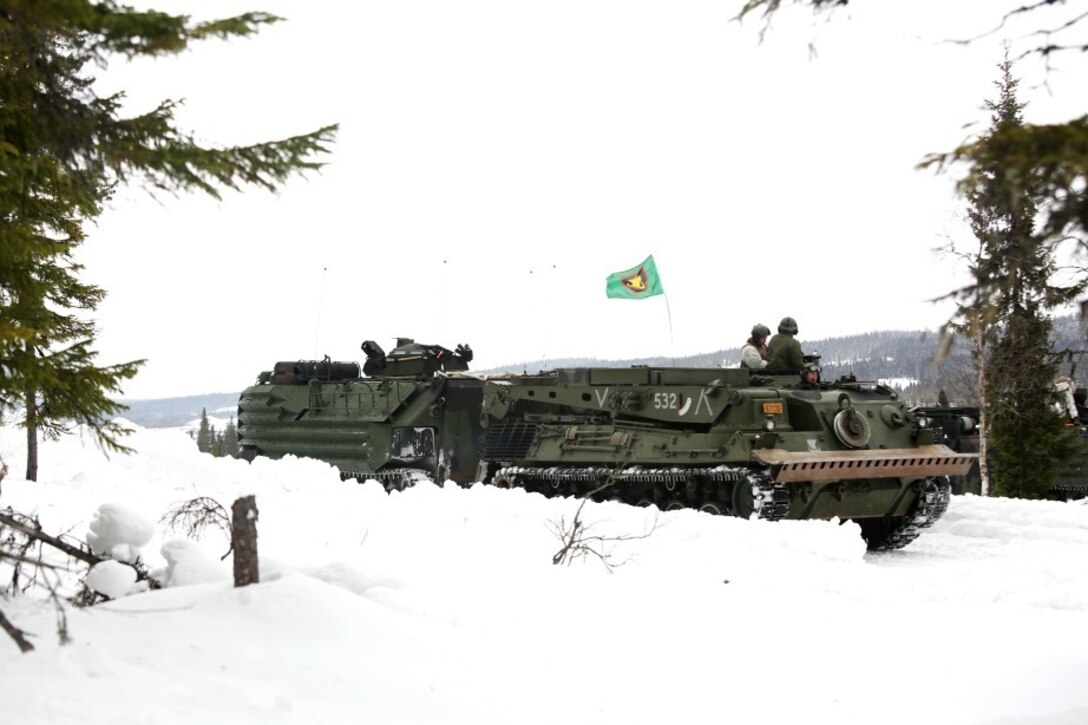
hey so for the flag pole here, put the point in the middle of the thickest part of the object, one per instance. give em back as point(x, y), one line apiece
point(668, 313)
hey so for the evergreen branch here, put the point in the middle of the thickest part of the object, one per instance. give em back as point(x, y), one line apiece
point(174, 163)
point(107, 27)
point(1053, 156)
point(63, 150)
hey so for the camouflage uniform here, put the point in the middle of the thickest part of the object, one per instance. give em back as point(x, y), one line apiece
point(783, 351)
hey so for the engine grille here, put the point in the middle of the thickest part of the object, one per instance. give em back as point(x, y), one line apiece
point(509, 441)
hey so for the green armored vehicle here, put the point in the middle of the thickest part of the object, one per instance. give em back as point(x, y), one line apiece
point(725, 441)
point(405, 416)
point(958, 428)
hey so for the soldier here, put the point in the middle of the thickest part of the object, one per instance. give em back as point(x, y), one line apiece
point(810, 375)
point(783, 351)
point(754, 353)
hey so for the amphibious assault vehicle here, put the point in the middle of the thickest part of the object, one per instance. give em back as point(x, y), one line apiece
point(405, 416)
point(721, 440)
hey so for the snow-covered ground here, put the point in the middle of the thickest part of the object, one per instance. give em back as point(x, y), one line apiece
point(442, 605)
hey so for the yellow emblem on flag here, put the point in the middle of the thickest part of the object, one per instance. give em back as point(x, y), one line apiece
point(636, 282)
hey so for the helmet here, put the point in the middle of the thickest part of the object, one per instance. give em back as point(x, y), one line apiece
point(760, 331)
point(788, 326)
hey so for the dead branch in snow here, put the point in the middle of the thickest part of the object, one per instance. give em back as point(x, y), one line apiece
point(578, 543)
point(196, 515)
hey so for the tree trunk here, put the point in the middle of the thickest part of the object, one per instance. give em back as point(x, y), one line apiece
point(983, 463)
point(31, 434)
point(243, 539)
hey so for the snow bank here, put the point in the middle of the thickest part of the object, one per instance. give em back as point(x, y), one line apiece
point(442, 605)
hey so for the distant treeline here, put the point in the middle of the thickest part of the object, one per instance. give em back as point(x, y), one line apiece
point(174, 412)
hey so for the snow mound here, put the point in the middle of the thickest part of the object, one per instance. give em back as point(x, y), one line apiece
point(119, 532)
point(112, 578)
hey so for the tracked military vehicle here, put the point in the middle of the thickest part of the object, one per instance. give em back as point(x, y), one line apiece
point(404, 416)
point(724, 441)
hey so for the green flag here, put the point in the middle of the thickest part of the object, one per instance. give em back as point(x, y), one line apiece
point(636, 283)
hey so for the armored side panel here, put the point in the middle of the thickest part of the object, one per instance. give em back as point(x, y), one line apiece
point(384, 429)
point(721, 440)
point(409, 420)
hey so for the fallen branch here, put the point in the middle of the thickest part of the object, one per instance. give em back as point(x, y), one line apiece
point(15, 633)
point(36, 533)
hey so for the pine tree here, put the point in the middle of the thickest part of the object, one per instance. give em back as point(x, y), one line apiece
point(1031, 444)
point(1011, 294)
point(63, 149)
point(229, 446)
point(205, 433)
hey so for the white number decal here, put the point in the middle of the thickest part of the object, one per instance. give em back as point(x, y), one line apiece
point(666, 401)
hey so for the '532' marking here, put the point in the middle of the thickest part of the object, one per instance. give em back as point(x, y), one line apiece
point(666, 401)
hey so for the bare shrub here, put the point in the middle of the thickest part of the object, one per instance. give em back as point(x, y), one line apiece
point(195, 516)
point(577, 541)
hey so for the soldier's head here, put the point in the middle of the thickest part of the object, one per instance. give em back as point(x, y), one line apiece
point(788, 326)
point(760, 333)
point(810, 374)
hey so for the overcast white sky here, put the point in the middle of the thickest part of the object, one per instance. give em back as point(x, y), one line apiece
point(497, 159)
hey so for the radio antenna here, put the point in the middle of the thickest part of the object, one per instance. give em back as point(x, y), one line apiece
point(442, 303)
point(317, 322)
